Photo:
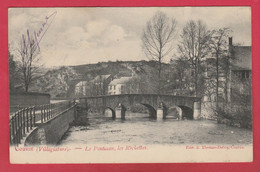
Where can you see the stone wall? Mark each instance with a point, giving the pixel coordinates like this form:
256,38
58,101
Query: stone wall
51,132
208,110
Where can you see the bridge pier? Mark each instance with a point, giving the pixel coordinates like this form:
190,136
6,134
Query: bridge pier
179,113
161,111
121,109
196,110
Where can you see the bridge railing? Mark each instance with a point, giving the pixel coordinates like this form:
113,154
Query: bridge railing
24,120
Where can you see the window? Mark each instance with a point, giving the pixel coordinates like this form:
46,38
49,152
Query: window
111,87
245,74
242,74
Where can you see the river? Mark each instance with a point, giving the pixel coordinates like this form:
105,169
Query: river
137,128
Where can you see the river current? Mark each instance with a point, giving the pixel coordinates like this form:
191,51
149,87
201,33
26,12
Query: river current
137,128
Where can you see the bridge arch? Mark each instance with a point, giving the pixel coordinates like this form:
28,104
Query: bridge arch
175,112
121,109
187,112
151,109
112,110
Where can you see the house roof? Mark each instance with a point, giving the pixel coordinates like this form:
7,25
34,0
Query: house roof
242,58
121,80
80,83
100,78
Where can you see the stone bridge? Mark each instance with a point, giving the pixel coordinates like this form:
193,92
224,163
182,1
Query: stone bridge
158,105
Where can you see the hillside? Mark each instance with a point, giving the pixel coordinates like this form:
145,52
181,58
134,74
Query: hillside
60,82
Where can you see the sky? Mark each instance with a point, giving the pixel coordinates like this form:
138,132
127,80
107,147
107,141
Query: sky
74,36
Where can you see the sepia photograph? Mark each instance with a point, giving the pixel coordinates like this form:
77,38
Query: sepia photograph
130,84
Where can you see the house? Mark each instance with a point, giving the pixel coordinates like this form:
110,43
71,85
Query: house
234,75
81,88
94,87
118,86
240,76
100,84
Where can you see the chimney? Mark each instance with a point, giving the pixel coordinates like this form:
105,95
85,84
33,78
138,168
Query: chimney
230,41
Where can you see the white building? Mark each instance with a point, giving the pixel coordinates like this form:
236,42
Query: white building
100,83
118,86
81,88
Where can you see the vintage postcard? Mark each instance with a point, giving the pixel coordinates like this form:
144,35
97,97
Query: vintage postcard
130,85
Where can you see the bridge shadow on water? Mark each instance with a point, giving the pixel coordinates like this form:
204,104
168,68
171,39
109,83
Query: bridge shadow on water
88,118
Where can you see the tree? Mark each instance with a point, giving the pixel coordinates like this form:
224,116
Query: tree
178,79
194,46
144,82
28,52
219,49
181,67
157,39
12,71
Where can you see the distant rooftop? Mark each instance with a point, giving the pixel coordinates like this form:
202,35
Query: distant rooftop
100,78
121,80
80,83
243,58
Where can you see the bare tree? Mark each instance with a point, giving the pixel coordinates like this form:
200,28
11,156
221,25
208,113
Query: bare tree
28,52
181,67
143,83
194,46
210,89
12,65
219,49
157,39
